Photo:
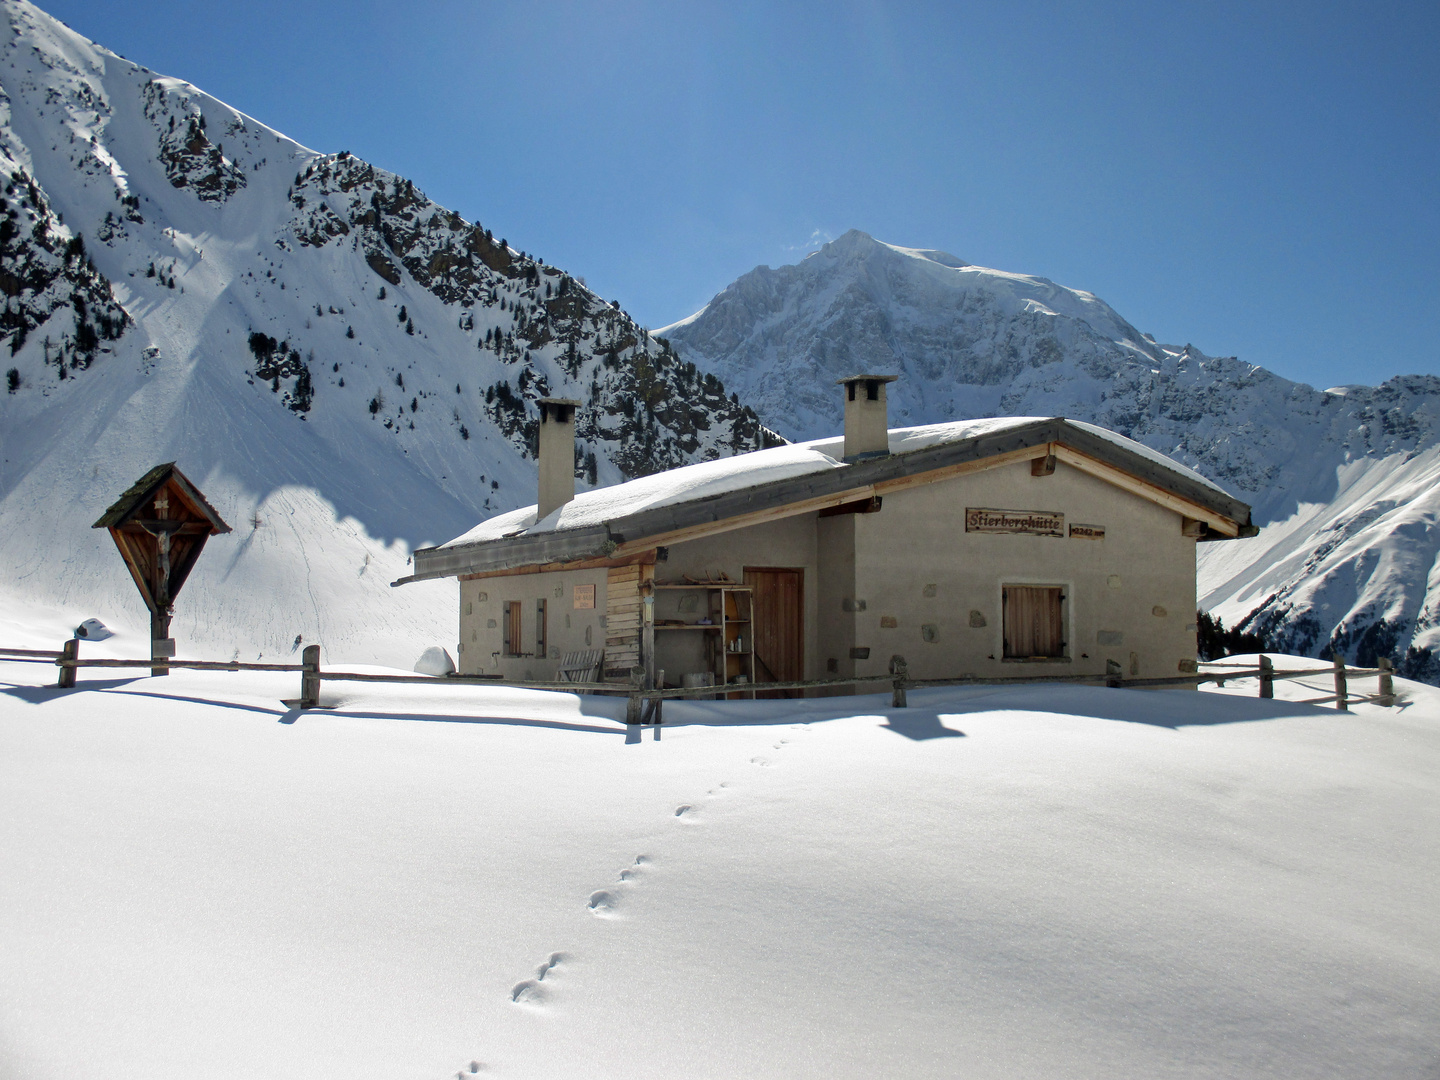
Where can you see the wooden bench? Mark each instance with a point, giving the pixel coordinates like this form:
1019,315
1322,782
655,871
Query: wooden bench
582,666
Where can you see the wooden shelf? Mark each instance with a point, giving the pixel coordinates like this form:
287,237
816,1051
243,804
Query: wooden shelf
731,606
714,585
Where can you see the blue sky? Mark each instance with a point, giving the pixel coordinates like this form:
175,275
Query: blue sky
1257,179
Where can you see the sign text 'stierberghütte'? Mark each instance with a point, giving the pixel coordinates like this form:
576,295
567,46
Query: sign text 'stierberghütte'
1037,522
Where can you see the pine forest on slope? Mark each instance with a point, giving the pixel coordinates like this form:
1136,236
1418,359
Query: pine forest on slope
1344,480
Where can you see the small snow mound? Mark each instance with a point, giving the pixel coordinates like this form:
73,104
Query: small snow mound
93,630
435,661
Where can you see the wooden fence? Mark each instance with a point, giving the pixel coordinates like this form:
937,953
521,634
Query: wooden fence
644,705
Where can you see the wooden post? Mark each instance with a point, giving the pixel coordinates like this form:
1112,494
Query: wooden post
71,651
632,703
310,677
161,647
899,669
1387,680
1267,677
647,622
1342,693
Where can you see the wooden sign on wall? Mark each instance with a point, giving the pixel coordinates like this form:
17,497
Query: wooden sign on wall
1035,522
584,597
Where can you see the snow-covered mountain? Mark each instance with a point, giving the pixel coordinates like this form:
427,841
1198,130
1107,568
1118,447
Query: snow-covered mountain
1344,480
345,368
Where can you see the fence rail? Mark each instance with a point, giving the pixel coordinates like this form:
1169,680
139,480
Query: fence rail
645,703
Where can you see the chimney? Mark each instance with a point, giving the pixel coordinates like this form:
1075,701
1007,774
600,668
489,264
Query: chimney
557,454
867,428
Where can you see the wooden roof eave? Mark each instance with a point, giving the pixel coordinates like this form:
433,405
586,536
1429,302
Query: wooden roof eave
814,491
140,493
569,545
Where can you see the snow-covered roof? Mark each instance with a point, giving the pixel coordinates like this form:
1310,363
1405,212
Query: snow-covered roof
652,505
715,478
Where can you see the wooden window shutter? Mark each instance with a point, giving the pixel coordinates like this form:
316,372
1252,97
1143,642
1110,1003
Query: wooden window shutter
540,644
1034,622
512,640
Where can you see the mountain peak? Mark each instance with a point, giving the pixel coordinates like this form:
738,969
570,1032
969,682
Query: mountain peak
857,243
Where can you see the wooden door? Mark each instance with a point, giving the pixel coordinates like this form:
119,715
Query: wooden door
778,630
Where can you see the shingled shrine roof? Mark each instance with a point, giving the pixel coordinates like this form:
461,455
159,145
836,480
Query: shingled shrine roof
139,493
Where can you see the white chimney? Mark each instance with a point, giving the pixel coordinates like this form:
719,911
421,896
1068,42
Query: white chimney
557,454
867,428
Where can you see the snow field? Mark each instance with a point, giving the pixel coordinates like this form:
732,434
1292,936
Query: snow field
992,883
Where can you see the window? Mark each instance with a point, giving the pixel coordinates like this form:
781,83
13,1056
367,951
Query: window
511,626
1034,622
540,628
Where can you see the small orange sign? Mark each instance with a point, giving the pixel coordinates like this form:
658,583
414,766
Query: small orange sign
584,596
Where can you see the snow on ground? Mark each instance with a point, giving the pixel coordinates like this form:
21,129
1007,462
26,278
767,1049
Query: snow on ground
1056,882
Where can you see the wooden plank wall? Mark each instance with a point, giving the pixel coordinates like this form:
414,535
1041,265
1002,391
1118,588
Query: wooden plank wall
622,620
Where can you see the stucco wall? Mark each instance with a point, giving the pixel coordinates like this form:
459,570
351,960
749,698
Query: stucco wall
482,607
1134,589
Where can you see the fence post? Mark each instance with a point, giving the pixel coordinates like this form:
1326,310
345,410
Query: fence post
899,669
1267,677
1342,692
70,651
1387,680
310,677
632,703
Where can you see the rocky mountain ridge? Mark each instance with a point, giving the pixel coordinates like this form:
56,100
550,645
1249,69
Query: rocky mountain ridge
343,366
1341,478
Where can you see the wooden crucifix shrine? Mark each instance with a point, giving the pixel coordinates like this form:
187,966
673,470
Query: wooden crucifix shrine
160,526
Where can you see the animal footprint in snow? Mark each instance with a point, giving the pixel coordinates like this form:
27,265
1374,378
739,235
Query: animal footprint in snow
629,873
764,763
473,1068
603,904
529,992
681,811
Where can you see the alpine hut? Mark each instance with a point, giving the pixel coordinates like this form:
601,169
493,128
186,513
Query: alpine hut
986,547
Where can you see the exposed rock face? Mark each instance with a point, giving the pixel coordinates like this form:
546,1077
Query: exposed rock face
189,157
1347,558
